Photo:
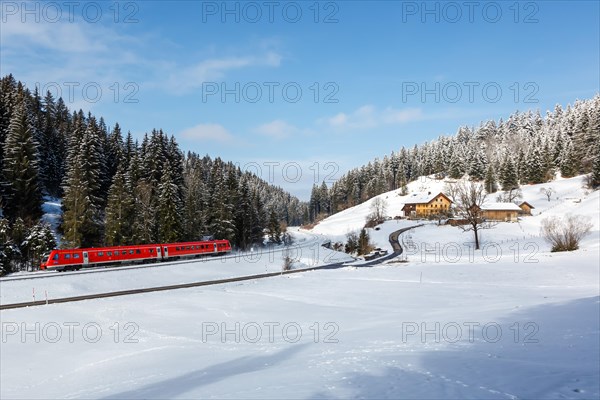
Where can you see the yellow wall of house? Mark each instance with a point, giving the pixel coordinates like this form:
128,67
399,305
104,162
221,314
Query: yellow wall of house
437,206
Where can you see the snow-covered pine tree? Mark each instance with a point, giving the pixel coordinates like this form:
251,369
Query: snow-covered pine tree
21,188
595,175
456,168
274,228
490,180
508,174
243,216
145,210
194,211
82,219
569,164
119,217
478,165
535,170
169,209
37,243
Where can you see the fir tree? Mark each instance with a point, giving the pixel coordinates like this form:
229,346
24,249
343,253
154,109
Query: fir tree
21,188
243,216
169,213
490,180
478,165
38,242
569,165
508,175
274,228
144,222
119,216
595,175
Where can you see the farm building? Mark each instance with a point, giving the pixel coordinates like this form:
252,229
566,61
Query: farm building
526,208
500,211
426,204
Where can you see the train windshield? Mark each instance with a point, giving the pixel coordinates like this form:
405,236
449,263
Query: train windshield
45,258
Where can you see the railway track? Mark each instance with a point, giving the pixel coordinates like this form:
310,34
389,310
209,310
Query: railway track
393,238
54,274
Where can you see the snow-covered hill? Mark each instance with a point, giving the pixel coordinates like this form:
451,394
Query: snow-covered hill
566,194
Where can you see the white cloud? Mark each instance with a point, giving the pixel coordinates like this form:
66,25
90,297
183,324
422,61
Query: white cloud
188,78
368,116
211,132
277,129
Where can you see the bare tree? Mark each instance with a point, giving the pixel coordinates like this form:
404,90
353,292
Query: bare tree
565,234
469,198
510,195
378,212
379,208
548,192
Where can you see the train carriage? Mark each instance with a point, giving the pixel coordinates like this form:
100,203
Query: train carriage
75,259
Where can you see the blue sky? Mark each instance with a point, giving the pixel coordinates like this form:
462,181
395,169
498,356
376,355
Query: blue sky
374,76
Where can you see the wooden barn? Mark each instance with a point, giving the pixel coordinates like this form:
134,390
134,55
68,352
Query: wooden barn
500,212
526,208
421,205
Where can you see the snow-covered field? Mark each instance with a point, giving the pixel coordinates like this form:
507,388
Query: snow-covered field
511,321
307,250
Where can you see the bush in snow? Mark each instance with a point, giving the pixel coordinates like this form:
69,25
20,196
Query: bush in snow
565,233
38,242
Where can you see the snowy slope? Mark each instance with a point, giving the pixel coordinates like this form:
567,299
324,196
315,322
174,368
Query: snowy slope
509,321
566,191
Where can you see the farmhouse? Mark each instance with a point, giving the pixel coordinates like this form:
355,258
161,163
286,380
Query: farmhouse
500,211
426,204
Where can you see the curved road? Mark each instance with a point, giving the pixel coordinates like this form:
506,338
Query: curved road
393,238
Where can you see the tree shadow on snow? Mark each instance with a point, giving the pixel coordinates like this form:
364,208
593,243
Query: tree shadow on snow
561,359
177,386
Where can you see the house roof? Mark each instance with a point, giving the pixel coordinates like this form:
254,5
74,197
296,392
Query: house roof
424,198
526,204
500,207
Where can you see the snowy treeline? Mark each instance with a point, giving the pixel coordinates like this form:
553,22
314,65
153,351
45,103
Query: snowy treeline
526,148
117,191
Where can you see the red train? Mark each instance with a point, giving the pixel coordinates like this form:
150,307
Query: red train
74,259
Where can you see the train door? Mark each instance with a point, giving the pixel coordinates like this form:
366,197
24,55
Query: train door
158,253
214,244
86,259
166,252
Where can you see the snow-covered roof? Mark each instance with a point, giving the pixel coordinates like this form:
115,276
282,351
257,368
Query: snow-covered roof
421,198
500,207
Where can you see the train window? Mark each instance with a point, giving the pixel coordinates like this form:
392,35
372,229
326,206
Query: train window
130,251
55,257
138,251
187,247
151,251
76,255
67,256
109,253
116,252
177,248
100,253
